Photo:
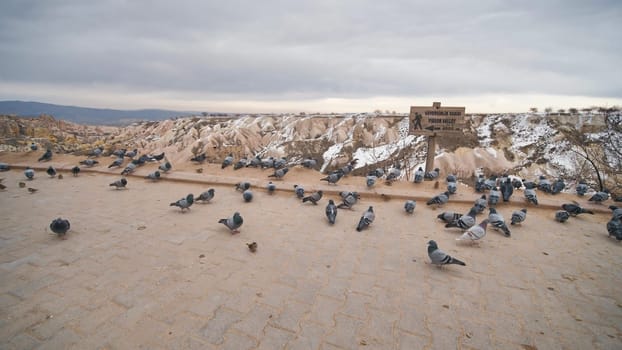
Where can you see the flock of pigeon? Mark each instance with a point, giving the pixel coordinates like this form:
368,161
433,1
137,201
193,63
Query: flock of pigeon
493,190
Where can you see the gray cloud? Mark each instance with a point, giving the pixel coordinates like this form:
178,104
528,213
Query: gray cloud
316,49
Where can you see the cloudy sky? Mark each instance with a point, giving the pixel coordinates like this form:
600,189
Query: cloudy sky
320,55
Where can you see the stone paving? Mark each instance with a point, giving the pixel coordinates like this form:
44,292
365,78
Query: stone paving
135,273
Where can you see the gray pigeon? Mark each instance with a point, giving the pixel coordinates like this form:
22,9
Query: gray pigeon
370,180
184,203
46,156
233,223
349,199
474,233
241,163
271,187
582,188
166,166
33,146
29,173
498,222
116,163
409,206
206,196
199,158
575,209
494,196
75,170
394,173
481,203
131,154
60,227
507,189
562,215
464,221
313,198
280,163
529,184
227,161
448,216
452,188
366,219
153,176
614,227
599,197
332,178
544,184
439,200
279,173
616,212
480,183
518,216
242,186
530,195
89,162
558,186
51,171
451,178
300,191
309,163
5,167
119,183
439,257
129,169
331,211
432,174
247,195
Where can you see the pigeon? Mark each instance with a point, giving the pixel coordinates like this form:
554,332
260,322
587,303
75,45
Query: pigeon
140,161
517,184
279,173
60,176
498,222
75,170
452,187
158,157
530,195
22,184
599,197
29,173
242,186
271,187
366,219
132,154
51,171
33,146
119,183
332,178
518,216
439,257
165,167
479,183
481,203
313,198
267,163
378,173
46,156
439,200
153,176
448,216
120,152
4,167
32,190
464,221
575,209
474,233
494,196
432,174
206,196
370,181
280,163
616,212
254,162
247,195
507,189
394,173
60,227
309,163
96,152
89,162
241,163
129,169
558,186
300,191
184,203
529,184
227,161
116,163
562,215
252,247
349,199
233,223
409,206
614,227
451,178
331,211
544,184
199,158
582,188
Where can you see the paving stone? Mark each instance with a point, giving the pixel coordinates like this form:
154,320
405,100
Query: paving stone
255,321
215,328
291,315
275,338
324,310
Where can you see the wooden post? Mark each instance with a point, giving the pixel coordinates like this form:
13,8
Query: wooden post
429,162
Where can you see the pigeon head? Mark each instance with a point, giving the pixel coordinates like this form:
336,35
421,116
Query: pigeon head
492,210
237,218
190,198
483,196
124,181
331,202
524,210
370,209
483,224
432,246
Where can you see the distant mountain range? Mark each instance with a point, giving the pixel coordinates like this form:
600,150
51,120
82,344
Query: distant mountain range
85,115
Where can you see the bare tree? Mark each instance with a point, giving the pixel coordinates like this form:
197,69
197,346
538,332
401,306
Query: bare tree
548,110
573,110
533,110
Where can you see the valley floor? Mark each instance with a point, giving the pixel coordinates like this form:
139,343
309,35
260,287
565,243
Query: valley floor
135,272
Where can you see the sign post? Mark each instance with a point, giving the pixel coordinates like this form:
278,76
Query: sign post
436,121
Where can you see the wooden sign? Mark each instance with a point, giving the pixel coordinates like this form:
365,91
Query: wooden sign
436,120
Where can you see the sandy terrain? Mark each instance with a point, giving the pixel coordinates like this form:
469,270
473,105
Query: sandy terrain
137,273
